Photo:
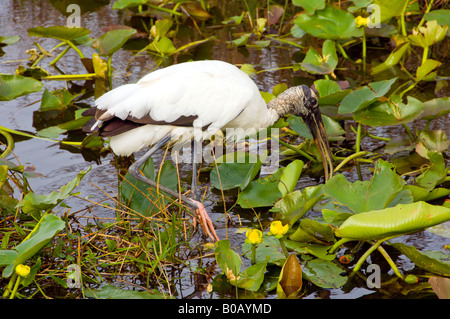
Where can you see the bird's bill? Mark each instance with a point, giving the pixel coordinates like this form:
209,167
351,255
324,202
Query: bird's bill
317,129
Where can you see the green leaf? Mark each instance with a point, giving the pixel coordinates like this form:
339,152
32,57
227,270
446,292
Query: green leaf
364,96
389,9
436,107
58,32
393,221
434,174
263,192
442,16
362,196
252,277
239,174
112,41
330,23
429,35
112,292
123,4
432,261
333,128
13,86
290,176
33,202
310,6
390,112
324,63
324,274
227,259
48,226
393,58
56,100
425,69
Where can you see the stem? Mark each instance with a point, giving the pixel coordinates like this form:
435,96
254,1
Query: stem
364,50
425,54
358,139
402,19
16,286
339,243
253,254
71,77
349,158
423,17
366,254
9,143
409,132
60,55
8,288
73,46
390,262
109,69
283,247
299,151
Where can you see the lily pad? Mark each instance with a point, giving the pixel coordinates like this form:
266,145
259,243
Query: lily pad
432,261
393,221
390,112
330,23
112,292
58,32
13,86
324,274
364,96
112,41
362,196
47,228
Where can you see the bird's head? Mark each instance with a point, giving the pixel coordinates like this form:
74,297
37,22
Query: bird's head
302,101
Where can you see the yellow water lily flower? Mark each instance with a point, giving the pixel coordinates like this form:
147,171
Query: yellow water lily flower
254,236
277,229
361,22
22,270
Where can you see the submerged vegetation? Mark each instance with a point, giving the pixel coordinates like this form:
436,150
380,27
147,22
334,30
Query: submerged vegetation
373,63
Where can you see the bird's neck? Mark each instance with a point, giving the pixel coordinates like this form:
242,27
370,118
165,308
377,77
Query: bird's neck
282,104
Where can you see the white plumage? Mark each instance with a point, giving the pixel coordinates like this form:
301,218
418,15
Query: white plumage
218,93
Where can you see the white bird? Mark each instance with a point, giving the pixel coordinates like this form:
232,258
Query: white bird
170,104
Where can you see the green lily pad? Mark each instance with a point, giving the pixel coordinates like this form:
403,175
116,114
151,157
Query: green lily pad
33,203
310,6
324,63
324,274
58,32
13,86
393,221
112,292
436,107
362,196
442,16
435,173
47,228
390,112
112,41
389,9
432,261
364,96
330,23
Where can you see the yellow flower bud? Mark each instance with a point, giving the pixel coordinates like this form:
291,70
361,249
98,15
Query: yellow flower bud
277,229
361,22
254,236
22,270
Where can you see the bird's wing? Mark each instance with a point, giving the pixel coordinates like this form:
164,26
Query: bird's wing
206,93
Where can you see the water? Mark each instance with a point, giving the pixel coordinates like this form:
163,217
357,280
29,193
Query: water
59,166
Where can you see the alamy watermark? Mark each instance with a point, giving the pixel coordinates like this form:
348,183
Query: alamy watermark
74,19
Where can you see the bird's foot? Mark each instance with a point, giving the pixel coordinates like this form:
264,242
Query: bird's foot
205,221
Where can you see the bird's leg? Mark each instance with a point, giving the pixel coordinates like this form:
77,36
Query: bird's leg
203,217
205,221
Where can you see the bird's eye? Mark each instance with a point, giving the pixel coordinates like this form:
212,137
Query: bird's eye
313,101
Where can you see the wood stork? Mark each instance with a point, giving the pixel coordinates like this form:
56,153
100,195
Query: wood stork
169,104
